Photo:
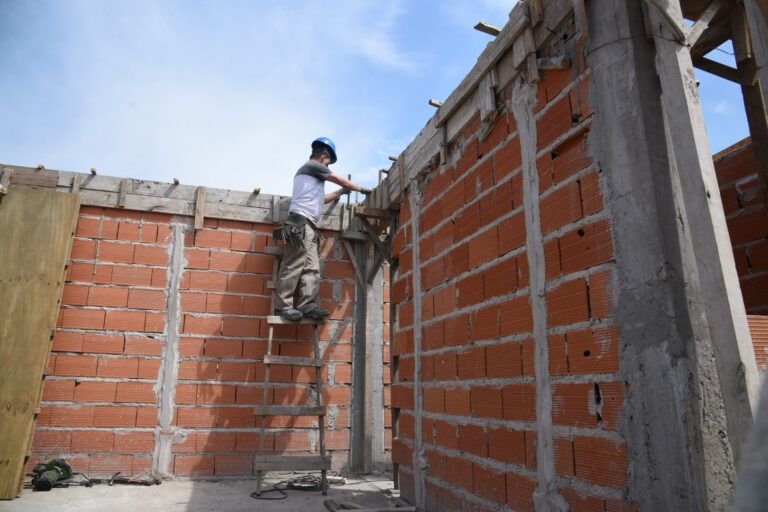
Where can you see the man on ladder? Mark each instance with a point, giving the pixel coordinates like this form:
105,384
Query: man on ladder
301,263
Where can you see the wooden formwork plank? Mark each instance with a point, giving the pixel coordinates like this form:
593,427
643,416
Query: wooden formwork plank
290,462
200,208
35,178
36,229
278,320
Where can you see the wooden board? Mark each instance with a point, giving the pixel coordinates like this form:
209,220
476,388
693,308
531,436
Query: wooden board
288,463
36,229
35,178
154,196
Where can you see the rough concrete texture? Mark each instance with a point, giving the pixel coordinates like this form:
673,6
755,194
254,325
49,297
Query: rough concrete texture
197,496
677,454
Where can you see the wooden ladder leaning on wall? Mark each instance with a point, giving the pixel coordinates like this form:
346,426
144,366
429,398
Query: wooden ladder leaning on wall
264,462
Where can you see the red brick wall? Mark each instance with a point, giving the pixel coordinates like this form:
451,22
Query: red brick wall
100,402
479,424
743,204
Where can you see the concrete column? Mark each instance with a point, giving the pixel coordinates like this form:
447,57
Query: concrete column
166,435
546,496
367,382
374,382
419,459
712,259
672,402
357,457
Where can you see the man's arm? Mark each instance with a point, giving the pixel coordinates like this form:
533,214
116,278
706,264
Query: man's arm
333,196
345,183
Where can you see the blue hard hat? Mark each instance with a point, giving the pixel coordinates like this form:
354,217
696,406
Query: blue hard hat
328,143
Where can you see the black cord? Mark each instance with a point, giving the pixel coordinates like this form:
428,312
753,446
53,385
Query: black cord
301,483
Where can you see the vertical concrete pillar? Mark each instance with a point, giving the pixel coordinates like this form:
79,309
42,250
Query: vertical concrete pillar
704,223
367,382
419,459
668,258
546,496
374,383
165,433
357,456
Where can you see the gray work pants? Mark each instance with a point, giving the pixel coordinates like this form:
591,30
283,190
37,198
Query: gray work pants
300,266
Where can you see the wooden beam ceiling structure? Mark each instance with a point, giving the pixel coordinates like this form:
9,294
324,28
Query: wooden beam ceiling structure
745,24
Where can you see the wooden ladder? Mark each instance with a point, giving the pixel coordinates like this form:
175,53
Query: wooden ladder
264,462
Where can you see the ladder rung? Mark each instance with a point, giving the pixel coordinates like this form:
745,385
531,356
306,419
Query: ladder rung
294,361
289,410
287,462
278,320
273,251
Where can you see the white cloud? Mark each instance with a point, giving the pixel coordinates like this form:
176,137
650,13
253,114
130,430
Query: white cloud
721,107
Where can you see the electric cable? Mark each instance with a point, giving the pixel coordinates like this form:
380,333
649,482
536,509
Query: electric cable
301,483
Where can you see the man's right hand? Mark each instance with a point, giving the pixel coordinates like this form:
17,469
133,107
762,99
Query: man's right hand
365,190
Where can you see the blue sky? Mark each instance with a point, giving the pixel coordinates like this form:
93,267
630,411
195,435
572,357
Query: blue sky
230,93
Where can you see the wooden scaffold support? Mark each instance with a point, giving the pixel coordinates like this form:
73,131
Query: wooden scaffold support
263,462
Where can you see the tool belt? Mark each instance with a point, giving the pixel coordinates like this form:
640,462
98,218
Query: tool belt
292,231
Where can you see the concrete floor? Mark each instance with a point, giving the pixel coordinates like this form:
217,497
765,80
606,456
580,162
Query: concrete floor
201,496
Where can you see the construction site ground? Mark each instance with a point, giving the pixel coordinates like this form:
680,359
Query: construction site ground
204,496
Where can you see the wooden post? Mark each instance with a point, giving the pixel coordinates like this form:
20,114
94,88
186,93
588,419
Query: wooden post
76,182
124,184
200,208
757,18
753,99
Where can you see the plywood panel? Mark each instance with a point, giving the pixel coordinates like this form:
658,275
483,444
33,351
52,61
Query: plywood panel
36,229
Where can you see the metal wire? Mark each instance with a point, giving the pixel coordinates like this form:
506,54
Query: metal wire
300,483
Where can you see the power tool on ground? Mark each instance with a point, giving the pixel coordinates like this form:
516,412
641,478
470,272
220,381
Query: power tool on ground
47,474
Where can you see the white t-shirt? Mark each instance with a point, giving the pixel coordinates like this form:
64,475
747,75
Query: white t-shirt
309,190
